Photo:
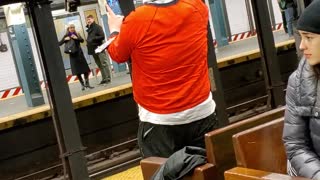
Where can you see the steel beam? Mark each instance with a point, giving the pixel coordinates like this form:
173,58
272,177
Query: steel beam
219,22
67,130
22,55
269,59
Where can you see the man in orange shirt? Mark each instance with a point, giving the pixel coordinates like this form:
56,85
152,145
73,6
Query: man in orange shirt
167,43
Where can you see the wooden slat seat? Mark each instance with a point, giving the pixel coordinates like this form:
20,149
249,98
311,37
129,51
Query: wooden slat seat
219,146
240,173
219,143
261,147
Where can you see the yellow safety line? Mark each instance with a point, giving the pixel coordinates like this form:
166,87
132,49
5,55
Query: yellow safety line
134,173
45,111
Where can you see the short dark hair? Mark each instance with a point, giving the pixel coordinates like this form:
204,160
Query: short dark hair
90,16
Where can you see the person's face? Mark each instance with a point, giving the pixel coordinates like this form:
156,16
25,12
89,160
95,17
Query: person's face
310,45
72,29
90,21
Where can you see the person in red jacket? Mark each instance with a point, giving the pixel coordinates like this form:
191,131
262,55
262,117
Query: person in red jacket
166,41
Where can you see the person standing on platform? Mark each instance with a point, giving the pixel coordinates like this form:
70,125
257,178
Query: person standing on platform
290,14
282,6
170,76
301,133
95,38
78,62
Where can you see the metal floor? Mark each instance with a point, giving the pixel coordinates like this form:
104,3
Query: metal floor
18,104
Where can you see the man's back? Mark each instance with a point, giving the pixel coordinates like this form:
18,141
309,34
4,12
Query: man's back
169,55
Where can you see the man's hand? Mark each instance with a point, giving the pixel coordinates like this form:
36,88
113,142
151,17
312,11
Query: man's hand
114,21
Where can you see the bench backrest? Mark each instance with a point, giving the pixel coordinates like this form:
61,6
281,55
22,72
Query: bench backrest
262,147
219,144
239,173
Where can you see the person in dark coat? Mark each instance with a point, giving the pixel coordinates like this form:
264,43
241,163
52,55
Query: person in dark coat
95,38
301,133
78,62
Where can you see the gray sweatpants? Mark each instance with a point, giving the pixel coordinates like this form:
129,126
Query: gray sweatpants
103,63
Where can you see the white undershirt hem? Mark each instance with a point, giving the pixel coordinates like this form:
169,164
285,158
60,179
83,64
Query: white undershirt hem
193,114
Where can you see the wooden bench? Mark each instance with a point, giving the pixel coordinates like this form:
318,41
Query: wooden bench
219,146
240,173
219,143
262,147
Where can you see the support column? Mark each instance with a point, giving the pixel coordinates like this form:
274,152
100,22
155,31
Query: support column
215,80
270,64
22,54
219,21
66,126
271,12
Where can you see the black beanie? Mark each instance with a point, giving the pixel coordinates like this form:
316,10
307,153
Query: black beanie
309,21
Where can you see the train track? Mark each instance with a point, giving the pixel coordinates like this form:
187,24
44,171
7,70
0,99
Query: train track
100,164
117,158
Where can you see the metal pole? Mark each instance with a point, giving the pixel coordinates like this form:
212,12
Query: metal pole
226,19
270,7
22,54
218,22
64,116
268,52
216,85
250,18
215,80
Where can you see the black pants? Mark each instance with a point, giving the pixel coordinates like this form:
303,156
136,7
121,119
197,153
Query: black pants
164,140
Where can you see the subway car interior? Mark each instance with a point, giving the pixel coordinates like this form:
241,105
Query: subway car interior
55,125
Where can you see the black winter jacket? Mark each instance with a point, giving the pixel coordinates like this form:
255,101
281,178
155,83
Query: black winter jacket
181,163
95,37
301,133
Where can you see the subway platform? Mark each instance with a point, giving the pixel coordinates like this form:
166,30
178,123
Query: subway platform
234,53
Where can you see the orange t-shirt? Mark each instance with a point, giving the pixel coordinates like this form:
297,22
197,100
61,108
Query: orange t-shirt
168,48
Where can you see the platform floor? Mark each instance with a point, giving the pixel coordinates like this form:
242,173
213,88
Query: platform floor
246,45
130,174
18,104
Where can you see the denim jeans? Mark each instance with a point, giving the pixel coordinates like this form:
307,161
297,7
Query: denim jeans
289,12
